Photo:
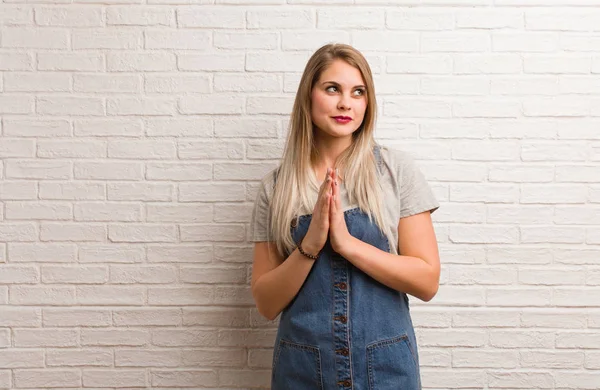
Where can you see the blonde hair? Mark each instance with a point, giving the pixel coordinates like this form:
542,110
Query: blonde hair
357,164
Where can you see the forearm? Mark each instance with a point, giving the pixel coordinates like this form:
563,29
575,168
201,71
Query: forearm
408,274
274,290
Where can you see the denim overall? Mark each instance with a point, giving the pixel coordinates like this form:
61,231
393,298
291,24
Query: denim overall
344,329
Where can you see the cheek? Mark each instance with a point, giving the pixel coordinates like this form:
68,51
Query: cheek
319,103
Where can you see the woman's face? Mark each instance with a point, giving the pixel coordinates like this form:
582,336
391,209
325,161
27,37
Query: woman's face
339,100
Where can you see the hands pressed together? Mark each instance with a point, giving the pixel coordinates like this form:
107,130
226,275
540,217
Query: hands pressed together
327,218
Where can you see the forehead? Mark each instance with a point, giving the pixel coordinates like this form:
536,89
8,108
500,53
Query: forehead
342,73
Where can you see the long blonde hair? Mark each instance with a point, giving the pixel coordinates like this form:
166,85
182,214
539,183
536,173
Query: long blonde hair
356,164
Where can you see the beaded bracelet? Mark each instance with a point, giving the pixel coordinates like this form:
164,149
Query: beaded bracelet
306,254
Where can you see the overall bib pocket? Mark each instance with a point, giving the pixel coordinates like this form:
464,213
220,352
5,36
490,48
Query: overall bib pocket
296,367
392,364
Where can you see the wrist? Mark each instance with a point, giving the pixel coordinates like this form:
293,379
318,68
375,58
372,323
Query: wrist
310,247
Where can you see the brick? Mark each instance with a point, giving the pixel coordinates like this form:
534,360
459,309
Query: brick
108,170
551,194
140,106
21,317
69,317
18,190
455,42
269,105
418,19
44,252
31,38
138,149
419,64
210,62
122,127
184,378
47,378
110,295
69,17
139,16
38,169
281,19
140,61
79,62
245,40
252,128
489,19
211,104
107,212
142,233
15,274
45,338
81,106
562,20
79,358
181,40
276,62
545,64
177,84
214,18
112,253
184,127
487,63
212,232
140,192
246,83
481,234
541,380
71,190
417,108
147,317
38,210
37,82
21,359
180,253
16,16
366,18
111,378
16,104
179,213
107,83
386,41
522,296
106,39
71,149
185,338
114,337
525,86
16,148
50,231
21,295
178,296
142,274
178,171
524,42
16,61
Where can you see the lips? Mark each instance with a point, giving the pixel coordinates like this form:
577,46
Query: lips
341,117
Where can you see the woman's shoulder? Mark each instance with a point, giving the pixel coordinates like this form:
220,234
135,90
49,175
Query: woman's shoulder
395,158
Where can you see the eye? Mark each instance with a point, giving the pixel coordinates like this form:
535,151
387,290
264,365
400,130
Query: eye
328,89
360,91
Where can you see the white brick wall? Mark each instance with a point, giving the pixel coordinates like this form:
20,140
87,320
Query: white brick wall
134,134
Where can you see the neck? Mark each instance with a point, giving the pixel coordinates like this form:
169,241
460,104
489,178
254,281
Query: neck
329,149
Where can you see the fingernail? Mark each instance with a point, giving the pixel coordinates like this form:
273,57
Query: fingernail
337,171
328,171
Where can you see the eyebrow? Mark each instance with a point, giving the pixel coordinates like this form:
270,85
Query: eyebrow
337,84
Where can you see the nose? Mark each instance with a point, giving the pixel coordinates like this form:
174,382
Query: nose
344,102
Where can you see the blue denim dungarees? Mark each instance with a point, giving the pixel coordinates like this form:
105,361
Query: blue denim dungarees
344,329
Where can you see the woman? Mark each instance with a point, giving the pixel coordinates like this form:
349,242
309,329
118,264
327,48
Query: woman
328,226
